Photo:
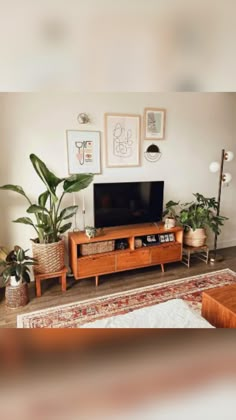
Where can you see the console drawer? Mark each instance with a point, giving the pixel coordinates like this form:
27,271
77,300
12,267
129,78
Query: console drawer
94,265
166,253
133,259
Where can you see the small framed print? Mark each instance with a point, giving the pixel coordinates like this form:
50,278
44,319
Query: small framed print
154,123
167,237
83,148
161,238
171,237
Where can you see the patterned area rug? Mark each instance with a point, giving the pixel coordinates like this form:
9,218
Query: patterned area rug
75,314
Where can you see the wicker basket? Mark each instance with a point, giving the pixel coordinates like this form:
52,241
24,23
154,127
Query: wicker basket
17,296
50,257
195,238
97,247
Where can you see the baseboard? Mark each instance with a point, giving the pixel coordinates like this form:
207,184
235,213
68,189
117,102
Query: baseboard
223,244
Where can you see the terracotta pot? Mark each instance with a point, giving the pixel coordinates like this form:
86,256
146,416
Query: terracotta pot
195,237
16,296
50,257
169,223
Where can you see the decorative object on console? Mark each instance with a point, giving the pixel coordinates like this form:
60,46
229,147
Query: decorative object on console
154,123
152,153
48,247
83,148
90,231
16,276
83,118
224,178
122,137
170,214
197,216
138,243
121,244
78,313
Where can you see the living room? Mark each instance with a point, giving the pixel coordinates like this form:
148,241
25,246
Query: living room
196,128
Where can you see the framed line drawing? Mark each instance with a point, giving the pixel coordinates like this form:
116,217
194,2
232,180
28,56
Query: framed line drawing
122,138
83,150
154,123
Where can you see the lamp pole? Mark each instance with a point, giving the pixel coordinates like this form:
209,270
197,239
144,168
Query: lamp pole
213,259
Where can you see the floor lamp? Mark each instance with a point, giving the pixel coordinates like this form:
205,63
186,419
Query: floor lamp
224,179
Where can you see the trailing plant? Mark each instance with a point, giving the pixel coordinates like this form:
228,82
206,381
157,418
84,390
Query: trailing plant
201,213
51,221
17,264
171,210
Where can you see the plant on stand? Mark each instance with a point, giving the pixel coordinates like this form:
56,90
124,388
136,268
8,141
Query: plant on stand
50,219
198,215
16,275
170,214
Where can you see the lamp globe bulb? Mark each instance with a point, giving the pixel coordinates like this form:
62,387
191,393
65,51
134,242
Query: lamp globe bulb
214,167
229,156
226,178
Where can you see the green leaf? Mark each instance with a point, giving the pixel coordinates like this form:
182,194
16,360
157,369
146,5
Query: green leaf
77,182
43,198
24,220
15,188
50,180
36,209
20,255
26,277
64,228
68,212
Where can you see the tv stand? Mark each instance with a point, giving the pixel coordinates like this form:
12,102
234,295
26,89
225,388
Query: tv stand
126,259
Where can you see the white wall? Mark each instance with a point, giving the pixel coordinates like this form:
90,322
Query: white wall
198,126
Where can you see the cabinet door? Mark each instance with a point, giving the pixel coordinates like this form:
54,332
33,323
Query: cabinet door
132,259
166,253
95,265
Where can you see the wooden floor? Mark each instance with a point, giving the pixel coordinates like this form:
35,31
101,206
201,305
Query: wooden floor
85,289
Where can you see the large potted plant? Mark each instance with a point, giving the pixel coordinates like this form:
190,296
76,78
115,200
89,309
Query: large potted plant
198,215
50,219
16,275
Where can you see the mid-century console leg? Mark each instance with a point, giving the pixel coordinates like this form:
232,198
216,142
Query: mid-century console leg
162,268
96,280
63,282
38,287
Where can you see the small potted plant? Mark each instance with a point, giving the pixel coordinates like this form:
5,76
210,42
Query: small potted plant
170,214
16,276
51,220
198,215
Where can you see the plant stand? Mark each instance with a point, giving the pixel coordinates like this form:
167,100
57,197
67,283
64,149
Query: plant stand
60,274
200,252
17,296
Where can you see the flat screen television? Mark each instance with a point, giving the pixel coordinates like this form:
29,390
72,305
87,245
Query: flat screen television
126,203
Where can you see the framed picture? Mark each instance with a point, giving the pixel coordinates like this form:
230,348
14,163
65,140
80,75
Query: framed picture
122,137
161,238
154,123
83,148
167,237
171,237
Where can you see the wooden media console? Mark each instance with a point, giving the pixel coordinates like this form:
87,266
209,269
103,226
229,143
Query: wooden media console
97,264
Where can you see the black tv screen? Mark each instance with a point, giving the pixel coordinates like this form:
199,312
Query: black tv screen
126,203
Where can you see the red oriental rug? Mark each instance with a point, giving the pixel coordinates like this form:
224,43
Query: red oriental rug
74,315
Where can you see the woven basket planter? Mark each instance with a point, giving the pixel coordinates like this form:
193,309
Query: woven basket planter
17,296
195,237
50,257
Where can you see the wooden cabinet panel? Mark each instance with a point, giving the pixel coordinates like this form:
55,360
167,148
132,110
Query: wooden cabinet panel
96,265
133,259
165,253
